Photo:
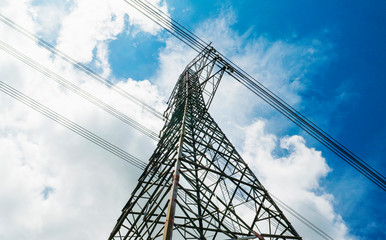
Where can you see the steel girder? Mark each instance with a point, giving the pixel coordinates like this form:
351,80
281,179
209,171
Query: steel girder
196,185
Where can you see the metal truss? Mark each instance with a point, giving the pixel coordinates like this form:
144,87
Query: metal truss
196,185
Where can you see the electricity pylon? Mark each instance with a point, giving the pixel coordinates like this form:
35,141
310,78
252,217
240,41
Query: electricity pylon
196,185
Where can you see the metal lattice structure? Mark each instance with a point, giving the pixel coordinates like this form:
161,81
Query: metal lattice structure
196,185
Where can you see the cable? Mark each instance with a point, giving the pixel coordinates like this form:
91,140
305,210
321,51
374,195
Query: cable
256,87
100,141
80,66
71,125
165,22
290,210
302,219
89,97
103,143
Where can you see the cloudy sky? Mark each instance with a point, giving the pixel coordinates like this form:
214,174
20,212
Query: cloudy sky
326,58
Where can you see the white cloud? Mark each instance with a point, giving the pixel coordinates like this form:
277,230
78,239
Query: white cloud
173,60
294,177
88,185
282,66
79,27
54,183
88,23
47,17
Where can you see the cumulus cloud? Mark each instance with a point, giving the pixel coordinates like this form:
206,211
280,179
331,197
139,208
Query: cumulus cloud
91,22
293,172
287,166
54,184
281,65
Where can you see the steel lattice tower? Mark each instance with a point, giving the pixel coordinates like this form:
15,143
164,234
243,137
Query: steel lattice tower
196,185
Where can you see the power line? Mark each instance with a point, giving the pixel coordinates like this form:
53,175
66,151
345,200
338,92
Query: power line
89,97
71,125
302,219
290,210
112,148
139,160
80,66
85,133
278,104
260,90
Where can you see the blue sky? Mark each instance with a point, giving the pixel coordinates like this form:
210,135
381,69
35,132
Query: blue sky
326,58
344,94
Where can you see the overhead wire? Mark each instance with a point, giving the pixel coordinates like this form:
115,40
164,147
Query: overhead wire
330,143
71,125
290,210
193,43
269,100
165,22
102,142
74,88
80,66
302,219
278,106
317,133
259,89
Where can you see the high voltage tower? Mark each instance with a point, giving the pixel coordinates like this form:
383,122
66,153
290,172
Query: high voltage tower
209,86
196,185
197,44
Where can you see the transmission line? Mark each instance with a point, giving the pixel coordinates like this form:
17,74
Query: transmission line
89,97
302,219
80,66
260,90
290,210
71,125
112,148
85,133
